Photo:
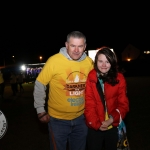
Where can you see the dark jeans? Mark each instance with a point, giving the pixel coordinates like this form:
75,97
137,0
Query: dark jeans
102,140
74,131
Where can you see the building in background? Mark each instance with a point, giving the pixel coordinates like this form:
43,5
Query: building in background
130,53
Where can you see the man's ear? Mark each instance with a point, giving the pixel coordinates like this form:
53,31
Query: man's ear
85,47
66,44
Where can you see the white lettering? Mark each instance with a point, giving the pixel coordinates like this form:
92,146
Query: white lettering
76,93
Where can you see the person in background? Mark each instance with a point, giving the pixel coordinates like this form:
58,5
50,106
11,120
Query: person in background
13,83
20,81
65,73
105,93
2,85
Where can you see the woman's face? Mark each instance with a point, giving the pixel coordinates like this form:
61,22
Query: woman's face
103,64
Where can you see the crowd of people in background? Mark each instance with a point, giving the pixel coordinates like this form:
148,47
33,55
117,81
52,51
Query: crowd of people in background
32,73
17,78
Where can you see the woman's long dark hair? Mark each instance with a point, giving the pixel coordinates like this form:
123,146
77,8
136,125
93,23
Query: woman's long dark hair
111,76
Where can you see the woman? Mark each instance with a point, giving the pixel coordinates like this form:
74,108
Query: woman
105,94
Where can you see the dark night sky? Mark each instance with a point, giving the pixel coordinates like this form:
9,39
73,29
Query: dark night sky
29,35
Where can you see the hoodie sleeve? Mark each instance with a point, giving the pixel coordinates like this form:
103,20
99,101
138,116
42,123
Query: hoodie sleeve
39,94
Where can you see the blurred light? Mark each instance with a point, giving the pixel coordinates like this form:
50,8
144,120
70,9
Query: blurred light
128,59
146,52
92,53
23,67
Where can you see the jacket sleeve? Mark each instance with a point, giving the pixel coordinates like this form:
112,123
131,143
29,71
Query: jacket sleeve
122,102
39,94
92,120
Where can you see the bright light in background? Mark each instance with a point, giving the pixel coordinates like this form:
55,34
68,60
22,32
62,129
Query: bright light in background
128,59
146,52
23,67
92,53
41,58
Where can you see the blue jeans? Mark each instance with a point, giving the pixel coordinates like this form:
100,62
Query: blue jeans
74,131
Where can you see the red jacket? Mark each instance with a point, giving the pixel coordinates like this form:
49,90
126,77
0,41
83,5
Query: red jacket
115,97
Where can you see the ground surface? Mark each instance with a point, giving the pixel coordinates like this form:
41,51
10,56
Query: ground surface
25,132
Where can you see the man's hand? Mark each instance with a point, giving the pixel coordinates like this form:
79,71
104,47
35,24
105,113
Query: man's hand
44,117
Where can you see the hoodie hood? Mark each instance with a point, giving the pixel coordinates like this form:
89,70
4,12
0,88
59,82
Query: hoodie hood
63,51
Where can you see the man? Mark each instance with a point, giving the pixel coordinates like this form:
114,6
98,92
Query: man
66,74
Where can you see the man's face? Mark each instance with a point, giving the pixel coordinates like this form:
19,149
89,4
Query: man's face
75,47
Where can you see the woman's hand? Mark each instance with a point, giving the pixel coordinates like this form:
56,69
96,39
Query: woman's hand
106,124
103,128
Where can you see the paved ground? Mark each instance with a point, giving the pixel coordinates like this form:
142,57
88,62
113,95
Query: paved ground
25,132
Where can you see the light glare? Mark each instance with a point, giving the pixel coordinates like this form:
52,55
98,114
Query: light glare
23,67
